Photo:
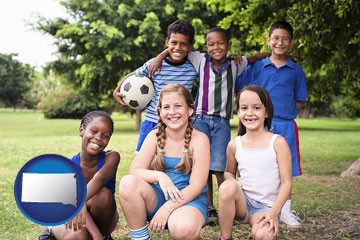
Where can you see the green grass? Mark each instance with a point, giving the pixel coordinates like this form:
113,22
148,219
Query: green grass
328,204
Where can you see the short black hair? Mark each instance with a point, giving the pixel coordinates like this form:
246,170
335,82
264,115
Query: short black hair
221,30
282,25
182,27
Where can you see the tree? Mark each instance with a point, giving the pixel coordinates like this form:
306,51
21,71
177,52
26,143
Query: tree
102,41
15,80
328,40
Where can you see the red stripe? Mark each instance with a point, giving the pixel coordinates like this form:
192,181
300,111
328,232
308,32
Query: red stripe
297,145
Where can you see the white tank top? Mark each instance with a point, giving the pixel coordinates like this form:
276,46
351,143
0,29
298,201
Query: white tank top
259,171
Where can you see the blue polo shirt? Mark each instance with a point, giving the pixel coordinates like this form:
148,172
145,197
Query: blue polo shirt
286,85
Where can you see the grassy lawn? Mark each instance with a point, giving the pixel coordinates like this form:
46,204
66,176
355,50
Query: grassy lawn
328,204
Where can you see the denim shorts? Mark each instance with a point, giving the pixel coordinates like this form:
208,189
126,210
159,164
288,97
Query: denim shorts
218,131
253,207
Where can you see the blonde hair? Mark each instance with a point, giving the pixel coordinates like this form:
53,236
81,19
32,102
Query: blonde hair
185,163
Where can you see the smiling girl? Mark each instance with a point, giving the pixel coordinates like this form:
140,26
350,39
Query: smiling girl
166,184
98,217
263,161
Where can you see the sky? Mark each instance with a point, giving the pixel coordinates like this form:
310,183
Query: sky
16,36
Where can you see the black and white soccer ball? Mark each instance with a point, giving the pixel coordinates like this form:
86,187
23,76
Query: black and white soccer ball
137,91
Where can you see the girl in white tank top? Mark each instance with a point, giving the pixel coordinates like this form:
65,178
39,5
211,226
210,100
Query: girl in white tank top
263,162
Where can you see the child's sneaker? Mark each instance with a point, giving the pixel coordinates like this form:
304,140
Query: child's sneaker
47,235
291,219
108,237
212,216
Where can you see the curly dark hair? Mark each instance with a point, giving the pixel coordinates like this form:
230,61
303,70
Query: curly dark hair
183,27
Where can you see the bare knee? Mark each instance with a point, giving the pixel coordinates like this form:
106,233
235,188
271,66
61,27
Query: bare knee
184,230
128,187
228,189
62,232
102,199
77,238
263,233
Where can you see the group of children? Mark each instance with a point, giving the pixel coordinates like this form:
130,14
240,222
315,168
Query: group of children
184,141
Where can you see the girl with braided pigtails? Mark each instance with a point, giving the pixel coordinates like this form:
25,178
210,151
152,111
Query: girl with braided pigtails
166,185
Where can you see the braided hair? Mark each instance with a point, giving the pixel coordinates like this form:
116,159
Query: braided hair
185,163
94,114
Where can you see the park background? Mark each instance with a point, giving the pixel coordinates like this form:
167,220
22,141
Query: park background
99,42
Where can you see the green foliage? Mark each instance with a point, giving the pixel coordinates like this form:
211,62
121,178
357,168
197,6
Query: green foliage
65,103
15,81
102,41
327,42
344,106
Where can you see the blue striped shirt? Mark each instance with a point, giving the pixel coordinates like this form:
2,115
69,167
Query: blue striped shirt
182,73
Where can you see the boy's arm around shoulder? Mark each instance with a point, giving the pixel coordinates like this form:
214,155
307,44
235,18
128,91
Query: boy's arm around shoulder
157,62
258,56
105,174
283,156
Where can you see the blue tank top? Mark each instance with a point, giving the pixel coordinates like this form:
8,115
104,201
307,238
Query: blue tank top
109,185
180,179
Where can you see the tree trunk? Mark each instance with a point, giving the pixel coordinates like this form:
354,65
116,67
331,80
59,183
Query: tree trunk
353,170
138,120
305,112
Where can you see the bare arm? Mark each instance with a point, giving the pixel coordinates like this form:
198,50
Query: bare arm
157,62
300,105
142,161
284,162
116,93
104,175
283,157
231,163
258,56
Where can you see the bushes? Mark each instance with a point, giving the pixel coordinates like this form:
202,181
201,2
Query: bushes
65,103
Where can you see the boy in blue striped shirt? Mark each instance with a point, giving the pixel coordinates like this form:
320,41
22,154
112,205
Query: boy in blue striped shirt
175,69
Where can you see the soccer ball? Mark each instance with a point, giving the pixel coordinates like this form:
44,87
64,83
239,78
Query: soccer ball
137,91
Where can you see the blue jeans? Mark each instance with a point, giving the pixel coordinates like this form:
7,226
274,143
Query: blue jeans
218,131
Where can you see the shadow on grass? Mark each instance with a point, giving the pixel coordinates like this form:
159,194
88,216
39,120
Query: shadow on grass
327,129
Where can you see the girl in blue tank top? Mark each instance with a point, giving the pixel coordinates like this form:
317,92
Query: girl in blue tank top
166,185
98,217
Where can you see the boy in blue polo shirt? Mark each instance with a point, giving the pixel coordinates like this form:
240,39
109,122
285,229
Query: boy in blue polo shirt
176,69
285,81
